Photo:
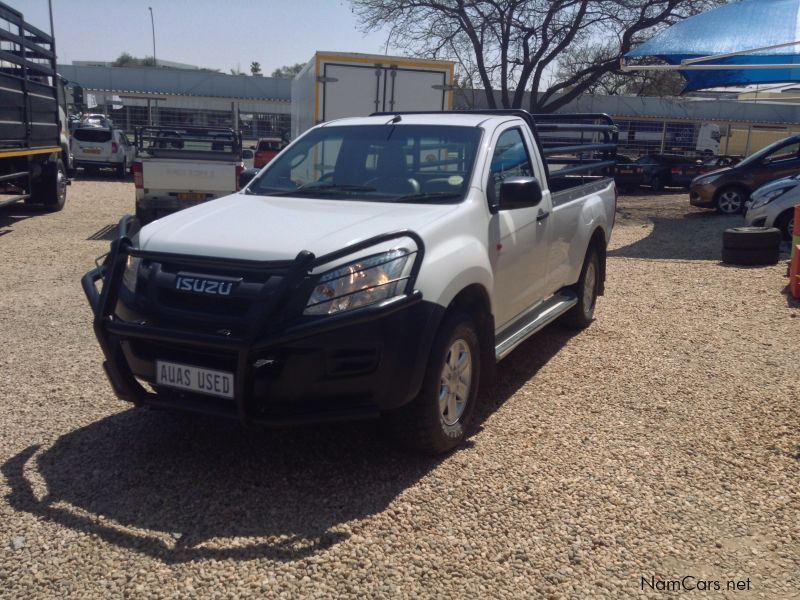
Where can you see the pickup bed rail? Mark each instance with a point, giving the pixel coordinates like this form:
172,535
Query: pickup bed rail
191,143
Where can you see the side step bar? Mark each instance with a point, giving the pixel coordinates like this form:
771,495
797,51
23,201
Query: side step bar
544,314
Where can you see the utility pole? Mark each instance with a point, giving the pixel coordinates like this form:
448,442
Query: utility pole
153,25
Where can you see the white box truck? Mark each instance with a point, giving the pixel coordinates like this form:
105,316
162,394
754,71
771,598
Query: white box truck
334,85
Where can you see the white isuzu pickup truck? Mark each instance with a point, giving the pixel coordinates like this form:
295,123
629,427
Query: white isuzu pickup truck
179,167
377,266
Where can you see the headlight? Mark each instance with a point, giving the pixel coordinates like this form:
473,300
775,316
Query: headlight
366,281
769,197
705,180
131,272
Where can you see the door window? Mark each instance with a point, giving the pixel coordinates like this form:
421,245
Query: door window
510,159
780,156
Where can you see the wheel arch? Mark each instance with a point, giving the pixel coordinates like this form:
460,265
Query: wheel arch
474,300
598,242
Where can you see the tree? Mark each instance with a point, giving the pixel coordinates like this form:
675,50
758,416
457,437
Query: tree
618,82
255,69
288,71
126,60
514,46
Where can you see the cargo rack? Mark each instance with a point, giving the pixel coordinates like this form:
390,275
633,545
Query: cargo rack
580,144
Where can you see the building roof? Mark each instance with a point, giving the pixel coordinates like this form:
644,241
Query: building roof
177,82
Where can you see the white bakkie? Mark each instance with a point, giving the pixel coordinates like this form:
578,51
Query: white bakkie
378,265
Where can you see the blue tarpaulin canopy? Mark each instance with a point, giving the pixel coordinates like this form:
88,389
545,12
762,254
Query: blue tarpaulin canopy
742,43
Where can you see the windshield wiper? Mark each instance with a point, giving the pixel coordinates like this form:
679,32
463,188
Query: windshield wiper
311,188
426,196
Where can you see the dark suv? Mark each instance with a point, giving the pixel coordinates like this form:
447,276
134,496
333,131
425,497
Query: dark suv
728,189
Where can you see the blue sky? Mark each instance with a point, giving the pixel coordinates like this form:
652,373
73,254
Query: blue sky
218,34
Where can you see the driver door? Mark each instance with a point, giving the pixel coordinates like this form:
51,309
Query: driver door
517,237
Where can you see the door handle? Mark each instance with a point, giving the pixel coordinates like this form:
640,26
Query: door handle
542,215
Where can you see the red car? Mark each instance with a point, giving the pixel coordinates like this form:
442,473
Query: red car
266,150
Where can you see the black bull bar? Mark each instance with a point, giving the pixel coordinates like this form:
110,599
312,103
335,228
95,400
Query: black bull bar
111,331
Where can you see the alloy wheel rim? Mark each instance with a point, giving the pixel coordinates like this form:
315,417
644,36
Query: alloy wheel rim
455,382
589,284
730,202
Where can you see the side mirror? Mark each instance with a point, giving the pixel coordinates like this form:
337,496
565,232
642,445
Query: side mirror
246,176
519,192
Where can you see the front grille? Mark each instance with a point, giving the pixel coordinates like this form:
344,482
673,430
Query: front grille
228,306
159,301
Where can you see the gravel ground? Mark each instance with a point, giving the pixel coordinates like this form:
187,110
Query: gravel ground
664,441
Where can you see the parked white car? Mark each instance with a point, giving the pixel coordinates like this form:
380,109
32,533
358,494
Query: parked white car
772,205
94,148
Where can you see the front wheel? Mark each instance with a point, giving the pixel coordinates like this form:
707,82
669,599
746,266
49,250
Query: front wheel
438,419
581,315
730,201
785,222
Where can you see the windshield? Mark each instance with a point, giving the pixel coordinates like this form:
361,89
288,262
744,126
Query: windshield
790,145
382,163
92,135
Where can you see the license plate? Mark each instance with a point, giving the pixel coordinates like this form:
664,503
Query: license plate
626,172
91,150
194,379
191,196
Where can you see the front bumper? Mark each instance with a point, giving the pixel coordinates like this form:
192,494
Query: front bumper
703,195
758,217
107,164
346,366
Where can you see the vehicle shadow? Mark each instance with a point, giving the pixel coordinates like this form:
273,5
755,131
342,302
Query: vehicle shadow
180,488
103,175
107,232
14,213
694,236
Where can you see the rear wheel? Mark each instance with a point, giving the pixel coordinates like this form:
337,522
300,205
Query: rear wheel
730,200
438,419
657,184
581,315
51,187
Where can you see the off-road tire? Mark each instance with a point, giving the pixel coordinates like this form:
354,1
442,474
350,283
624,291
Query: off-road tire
421,425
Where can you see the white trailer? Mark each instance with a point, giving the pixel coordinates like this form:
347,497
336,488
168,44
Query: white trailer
334,85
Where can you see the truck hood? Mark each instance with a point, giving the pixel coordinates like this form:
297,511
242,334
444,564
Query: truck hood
277,228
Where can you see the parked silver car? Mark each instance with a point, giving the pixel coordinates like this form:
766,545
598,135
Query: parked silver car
100,147
772,205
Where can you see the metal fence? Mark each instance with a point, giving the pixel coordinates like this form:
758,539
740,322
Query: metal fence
251,125
695,138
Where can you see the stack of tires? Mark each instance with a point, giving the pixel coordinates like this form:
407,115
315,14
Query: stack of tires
751,245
